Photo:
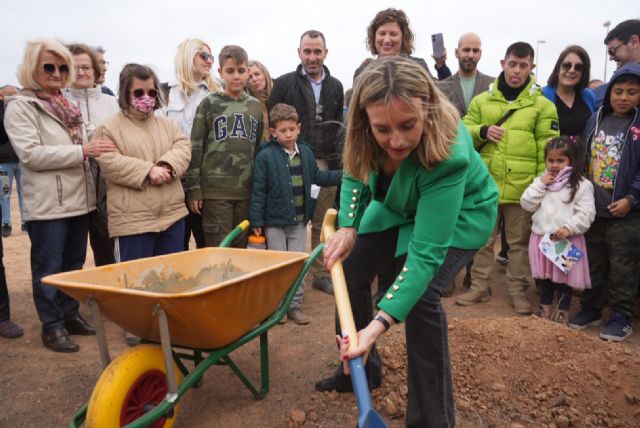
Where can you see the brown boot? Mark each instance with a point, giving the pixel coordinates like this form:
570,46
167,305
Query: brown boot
521,304
472,297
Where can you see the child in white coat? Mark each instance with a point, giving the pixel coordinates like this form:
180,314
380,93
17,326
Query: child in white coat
562,204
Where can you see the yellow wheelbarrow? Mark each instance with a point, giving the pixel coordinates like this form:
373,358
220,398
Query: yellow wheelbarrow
196,306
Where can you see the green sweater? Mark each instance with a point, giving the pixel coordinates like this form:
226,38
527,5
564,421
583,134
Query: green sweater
519,156
451,205
224,137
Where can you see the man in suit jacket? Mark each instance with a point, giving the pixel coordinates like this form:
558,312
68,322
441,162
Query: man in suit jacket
468,81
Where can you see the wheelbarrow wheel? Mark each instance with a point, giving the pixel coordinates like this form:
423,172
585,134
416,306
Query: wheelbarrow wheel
129,387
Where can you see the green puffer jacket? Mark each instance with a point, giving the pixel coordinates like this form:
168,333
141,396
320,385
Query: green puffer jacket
519,156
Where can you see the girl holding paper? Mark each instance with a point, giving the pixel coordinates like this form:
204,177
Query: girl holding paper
562,204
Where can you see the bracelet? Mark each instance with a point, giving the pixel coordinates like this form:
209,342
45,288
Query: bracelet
382,320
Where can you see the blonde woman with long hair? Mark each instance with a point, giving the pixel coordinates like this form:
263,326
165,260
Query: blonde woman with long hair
414,192
259,86
194,81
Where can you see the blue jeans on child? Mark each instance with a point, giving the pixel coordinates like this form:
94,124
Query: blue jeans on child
13,171
133,247
289,238
58,245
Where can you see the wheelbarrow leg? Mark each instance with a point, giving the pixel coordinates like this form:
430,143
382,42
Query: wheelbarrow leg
101,336
165,340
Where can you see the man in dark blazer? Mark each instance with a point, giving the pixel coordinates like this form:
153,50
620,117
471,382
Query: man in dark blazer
468,81
460,88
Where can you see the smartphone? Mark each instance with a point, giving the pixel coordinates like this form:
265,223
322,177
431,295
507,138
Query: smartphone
437,43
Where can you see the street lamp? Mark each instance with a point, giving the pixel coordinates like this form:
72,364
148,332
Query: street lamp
606,25
538,43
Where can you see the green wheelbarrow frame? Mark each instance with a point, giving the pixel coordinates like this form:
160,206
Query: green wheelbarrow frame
203,359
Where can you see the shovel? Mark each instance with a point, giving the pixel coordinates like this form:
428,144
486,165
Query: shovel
368,418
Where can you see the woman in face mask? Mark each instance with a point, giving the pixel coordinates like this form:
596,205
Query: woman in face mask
145,200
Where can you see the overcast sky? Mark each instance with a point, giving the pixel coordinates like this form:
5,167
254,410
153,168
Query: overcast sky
148,31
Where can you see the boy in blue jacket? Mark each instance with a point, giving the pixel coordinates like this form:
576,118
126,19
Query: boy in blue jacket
612,136
284,194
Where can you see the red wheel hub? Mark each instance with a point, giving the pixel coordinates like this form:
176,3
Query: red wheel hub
146,392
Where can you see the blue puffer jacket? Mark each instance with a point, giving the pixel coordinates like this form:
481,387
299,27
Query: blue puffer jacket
550,92
272,195
628,176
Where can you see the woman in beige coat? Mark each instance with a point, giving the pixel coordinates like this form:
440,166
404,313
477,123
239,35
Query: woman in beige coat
49,137
145,200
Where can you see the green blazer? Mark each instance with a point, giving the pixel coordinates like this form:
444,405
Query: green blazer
452,205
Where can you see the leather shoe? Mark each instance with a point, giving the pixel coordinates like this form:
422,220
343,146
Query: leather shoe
79,326
10,330
58,340
341,382
323,284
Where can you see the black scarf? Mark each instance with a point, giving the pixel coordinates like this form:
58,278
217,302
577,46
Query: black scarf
510,93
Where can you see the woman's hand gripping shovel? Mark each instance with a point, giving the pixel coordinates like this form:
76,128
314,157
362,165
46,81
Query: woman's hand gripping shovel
368,418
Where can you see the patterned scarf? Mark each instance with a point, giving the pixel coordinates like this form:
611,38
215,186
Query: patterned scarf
69,114
561,179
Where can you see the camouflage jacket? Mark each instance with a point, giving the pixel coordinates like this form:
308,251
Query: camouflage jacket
224,137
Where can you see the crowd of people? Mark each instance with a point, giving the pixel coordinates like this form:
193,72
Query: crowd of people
426,173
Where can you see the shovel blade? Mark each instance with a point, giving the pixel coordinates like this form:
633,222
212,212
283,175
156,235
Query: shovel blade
368,417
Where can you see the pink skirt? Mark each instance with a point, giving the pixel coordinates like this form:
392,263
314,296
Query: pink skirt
543,268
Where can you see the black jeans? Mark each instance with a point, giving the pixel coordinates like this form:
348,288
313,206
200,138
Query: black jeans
430,400
4,292
56,246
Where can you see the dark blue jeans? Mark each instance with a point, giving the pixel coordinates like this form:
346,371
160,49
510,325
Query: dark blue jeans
429,381
56,246
133,247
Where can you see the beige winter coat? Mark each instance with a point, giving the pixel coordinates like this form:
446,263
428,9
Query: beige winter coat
134,206
56,181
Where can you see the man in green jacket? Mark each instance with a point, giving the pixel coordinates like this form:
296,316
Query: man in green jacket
510,125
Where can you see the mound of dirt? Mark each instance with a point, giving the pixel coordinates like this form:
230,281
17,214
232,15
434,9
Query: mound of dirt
508,372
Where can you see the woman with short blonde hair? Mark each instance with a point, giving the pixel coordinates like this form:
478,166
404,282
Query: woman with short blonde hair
49,137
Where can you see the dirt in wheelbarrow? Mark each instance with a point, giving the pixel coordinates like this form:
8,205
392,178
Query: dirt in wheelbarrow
508,371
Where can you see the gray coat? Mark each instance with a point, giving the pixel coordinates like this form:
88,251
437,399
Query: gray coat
453,90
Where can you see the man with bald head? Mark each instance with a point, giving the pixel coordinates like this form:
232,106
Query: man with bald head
468,81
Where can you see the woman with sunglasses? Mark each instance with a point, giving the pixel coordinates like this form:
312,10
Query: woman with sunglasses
567,88
95,107
259,86
192,84
49,137
145,200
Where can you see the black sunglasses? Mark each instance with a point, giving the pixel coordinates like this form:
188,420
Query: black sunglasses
137,93
578,67
206,56
612,51
51,68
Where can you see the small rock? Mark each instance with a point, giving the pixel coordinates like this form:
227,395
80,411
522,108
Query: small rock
516,425
389,408
297,416
313,416
613,368
498,387
562,422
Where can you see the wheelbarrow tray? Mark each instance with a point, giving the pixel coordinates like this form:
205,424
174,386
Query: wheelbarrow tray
202,313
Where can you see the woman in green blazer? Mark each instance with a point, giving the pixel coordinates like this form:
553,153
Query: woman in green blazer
414,189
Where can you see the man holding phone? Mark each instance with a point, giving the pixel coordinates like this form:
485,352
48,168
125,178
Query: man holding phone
510,125
468,81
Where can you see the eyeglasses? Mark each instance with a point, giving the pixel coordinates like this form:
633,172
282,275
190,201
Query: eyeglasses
83,68
578,67
206,56
137,93
51,68
612,51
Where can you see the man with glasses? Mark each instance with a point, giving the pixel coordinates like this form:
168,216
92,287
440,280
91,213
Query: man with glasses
318,98
103,70
623,47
